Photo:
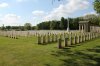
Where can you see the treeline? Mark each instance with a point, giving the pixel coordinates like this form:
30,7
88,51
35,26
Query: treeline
73,23
57,25
27,26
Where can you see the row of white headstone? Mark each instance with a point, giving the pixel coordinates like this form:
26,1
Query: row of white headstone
9,34
77,38
16,34
29,33
95,29
50,38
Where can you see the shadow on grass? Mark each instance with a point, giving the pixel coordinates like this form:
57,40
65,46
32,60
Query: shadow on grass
88,57
96,49
81,43
47,65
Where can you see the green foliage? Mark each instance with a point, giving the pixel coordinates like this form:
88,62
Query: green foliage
21,28
34,28
94,19
57,25
3,27
54,25
27,26
43,25
8,27
62,23
97,6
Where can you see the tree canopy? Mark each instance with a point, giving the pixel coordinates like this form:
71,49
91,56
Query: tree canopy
97,6
27,26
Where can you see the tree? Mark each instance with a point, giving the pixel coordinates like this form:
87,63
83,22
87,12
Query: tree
75,23
8,27
27,26
94,19
97,6
54,25
62,23
33,27
44,25
21,28
3,27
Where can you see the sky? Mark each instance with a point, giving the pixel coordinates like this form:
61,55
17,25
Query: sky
19,12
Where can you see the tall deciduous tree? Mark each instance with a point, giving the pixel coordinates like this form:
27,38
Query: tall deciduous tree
8,27
27,26
94,19
97,6
62,23
3,27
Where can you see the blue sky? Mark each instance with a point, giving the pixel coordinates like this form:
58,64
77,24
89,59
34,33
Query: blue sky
18,12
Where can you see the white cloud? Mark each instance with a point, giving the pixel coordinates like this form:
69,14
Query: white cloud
0,15
19,0
25,0
2,5
38,13
66,9
36,20
10,19
38,16
70,7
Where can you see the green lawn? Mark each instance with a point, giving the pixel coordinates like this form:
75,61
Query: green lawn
25,52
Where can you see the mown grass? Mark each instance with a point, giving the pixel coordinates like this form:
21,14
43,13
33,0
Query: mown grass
26,52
